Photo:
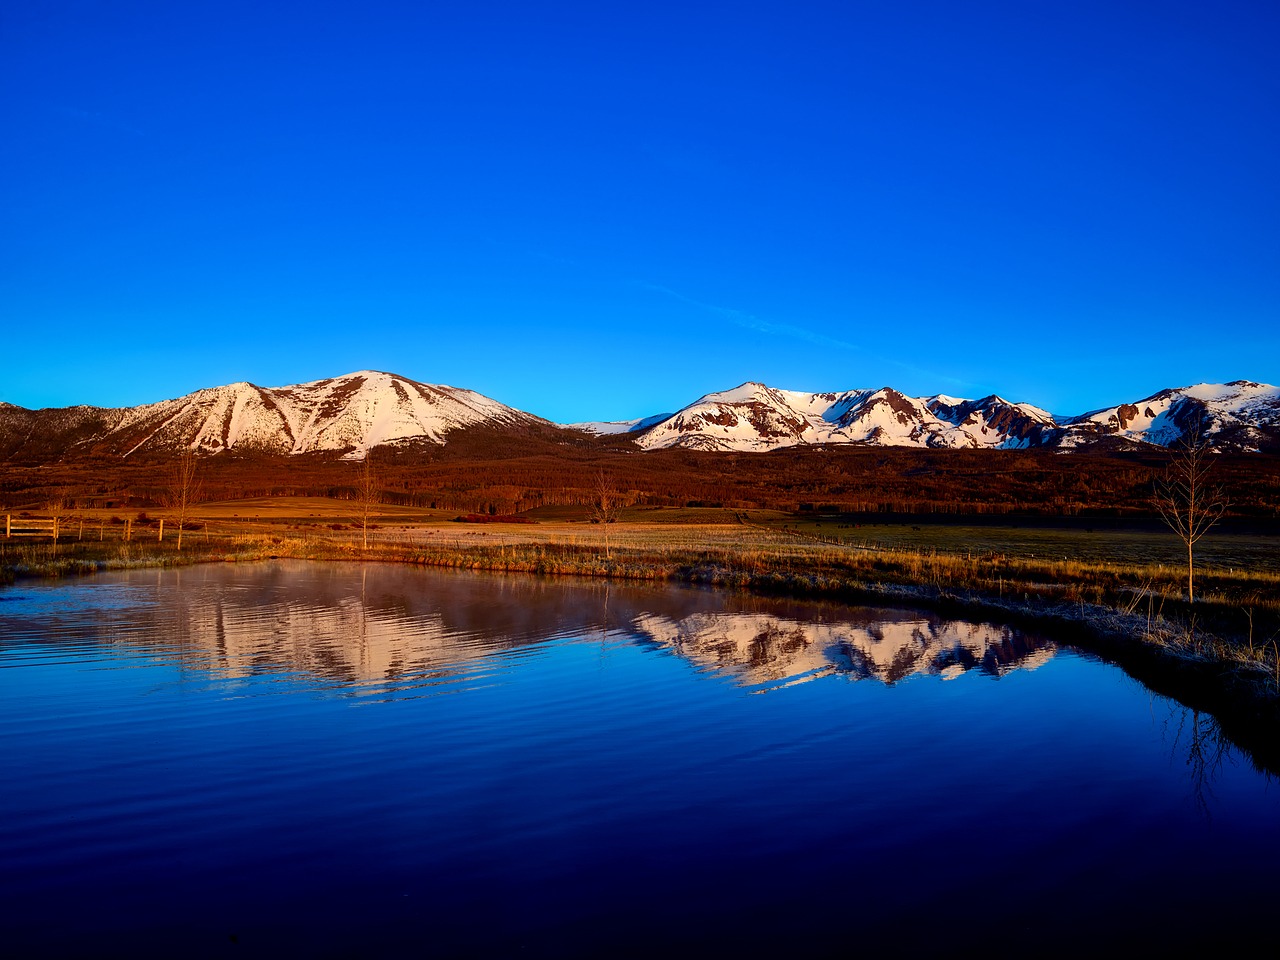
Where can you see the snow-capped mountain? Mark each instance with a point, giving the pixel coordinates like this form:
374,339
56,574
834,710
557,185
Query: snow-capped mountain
349,414
352,414
756,417
1239,415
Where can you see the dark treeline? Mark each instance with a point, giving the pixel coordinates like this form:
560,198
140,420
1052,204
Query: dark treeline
494,473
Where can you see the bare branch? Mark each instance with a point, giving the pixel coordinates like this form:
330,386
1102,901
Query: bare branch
184,486
1185,498
368,495
605,503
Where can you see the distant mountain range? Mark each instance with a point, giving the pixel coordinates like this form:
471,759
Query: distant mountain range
1238,416
352,414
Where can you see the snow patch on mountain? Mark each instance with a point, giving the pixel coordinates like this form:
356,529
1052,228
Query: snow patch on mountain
754,417
352,414
1240,415
609,428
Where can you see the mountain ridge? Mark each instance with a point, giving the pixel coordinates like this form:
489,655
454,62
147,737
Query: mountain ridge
350,415
1241,416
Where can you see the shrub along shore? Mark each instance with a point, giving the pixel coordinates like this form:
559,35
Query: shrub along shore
1220,655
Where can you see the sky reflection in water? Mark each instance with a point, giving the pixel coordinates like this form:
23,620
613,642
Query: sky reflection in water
307,757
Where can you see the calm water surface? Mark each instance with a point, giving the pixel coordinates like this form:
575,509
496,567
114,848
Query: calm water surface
370,761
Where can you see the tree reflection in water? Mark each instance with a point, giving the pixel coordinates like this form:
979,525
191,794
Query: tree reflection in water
1207,748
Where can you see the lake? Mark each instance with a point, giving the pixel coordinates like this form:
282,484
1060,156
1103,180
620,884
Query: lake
344,760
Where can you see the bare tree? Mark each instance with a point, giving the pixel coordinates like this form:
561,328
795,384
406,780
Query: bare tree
1189,504
184,486
605,503
368,495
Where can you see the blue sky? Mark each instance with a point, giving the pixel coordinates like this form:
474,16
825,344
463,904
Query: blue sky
592,213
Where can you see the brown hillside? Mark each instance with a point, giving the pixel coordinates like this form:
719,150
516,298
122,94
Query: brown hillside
481,470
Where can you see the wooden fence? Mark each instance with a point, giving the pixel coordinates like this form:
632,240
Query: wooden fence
72,528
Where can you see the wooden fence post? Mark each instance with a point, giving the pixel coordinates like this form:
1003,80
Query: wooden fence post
161,536
128,530
81,537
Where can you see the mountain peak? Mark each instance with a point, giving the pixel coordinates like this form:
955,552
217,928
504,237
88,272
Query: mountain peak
352,413
349,414
754,416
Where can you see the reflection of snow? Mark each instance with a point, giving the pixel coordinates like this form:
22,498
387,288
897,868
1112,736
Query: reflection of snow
766,649
385,628
342,641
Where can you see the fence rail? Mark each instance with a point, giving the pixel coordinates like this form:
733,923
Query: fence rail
29,527
74,528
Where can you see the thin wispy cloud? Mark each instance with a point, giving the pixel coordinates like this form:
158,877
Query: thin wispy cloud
931,375
749,321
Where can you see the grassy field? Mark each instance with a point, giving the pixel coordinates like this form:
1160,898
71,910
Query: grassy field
1092,544
690,527
1250,561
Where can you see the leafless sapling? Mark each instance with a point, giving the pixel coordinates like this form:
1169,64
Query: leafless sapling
1186,499
604,505
368,495
184,486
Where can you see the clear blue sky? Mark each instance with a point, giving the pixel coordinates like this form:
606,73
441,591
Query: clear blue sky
588,212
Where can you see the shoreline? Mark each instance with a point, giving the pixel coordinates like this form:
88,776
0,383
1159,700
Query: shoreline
1235,681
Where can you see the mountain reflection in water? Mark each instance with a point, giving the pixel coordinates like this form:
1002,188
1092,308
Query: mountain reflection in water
387,634
766,649
341,760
